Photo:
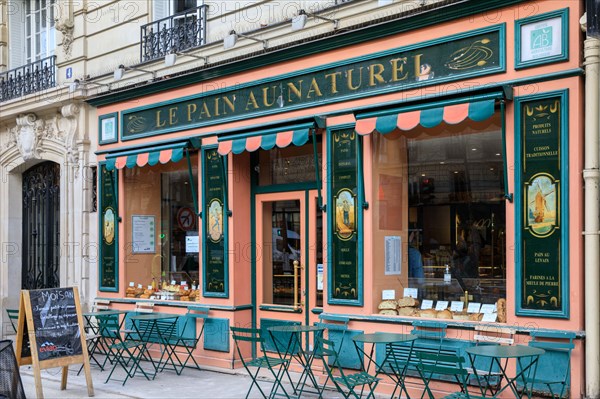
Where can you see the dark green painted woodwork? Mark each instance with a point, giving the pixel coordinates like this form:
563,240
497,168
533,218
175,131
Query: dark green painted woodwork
473,53
214,220
216,334
343,210
109,226
541,198
281,338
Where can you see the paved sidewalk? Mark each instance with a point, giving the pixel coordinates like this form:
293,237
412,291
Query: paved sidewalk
190,384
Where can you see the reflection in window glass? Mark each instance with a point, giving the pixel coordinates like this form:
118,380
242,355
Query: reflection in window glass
163,193
441,190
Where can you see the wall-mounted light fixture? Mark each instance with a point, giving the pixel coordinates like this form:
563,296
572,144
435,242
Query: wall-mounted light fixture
299,21
231,39
120,71
171,59
83,85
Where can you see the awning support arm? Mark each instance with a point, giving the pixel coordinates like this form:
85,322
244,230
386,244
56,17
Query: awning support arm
507,196
192,182
317,174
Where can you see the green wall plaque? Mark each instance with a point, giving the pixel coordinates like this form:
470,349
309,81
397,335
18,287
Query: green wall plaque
543,264
344,209
214,265
109,229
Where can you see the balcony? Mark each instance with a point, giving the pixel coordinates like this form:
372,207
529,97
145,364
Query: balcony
27,79
179,32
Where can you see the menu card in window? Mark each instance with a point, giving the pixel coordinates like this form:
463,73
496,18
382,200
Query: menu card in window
457,306
426,304
441,305
142,234
488,308
474,307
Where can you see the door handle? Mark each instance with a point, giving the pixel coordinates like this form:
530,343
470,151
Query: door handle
297,302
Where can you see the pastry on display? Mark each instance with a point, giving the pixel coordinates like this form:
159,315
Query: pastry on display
476,316
408,301
444,314
408,311
388,312
460,316
428,313
501,309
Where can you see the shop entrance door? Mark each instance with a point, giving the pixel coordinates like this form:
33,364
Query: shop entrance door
288,257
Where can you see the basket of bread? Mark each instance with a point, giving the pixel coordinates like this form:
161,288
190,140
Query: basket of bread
406,306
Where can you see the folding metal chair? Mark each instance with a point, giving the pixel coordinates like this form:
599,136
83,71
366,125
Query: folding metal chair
276,365
193,314
13,316
490,335
557,371
335,330
431,364
345,383
125,352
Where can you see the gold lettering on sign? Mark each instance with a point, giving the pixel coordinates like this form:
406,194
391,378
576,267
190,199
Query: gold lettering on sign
351,86
375,72
398,69
159,122
251,102
293,89
230,104
191,109
314,88
173,116
273,96
204,112
333,79
418,65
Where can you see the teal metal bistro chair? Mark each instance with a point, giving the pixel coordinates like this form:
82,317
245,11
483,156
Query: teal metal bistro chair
432,365
13,317
345,383
276,365
554,366
189,344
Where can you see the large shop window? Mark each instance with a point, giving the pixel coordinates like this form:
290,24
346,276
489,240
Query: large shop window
161,229
439,191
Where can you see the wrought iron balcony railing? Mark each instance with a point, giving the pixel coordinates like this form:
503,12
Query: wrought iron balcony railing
173,34
27,79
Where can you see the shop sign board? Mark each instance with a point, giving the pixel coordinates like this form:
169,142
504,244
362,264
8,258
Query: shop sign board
345,285
108,207
214,265
543,244
474,53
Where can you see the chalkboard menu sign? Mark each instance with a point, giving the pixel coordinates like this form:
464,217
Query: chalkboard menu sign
50,334
55,323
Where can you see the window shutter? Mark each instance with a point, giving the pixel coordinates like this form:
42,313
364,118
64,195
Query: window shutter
160,9
16,32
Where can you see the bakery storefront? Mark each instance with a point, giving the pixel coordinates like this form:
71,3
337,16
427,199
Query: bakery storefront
430,176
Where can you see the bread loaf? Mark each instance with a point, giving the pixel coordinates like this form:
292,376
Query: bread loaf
389,304
407,311
444,314
460,316
475,316
408,301
501,308
428,313
388,312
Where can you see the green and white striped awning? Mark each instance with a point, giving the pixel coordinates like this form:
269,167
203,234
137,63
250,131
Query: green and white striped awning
149,156
266,139
427,116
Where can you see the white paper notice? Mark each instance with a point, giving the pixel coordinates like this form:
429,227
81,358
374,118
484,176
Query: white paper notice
426,304
142,234
320,276
411,292
192,244
393,255
457,306
490,317
441,305
388,294
488,308
473,307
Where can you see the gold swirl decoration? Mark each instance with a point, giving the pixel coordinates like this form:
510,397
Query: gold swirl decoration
136,124
475,55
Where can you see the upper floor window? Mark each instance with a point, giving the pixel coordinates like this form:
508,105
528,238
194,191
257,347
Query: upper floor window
163,9
31,31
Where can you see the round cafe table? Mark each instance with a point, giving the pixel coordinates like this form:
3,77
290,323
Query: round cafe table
526,358
387,339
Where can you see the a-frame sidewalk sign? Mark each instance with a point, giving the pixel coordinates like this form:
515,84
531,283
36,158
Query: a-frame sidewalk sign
50,334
